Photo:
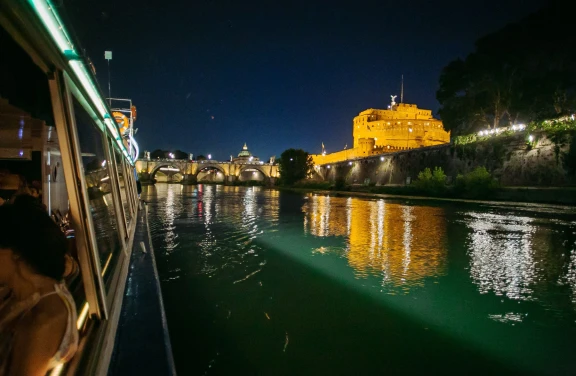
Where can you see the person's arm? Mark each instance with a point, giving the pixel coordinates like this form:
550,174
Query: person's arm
38,337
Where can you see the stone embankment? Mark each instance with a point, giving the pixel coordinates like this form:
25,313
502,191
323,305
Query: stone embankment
514,162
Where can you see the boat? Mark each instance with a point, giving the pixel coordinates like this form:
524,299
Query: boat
58,130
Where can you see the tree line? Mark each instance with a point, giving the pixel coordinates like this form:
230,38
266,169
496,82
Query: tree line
524,72
178,154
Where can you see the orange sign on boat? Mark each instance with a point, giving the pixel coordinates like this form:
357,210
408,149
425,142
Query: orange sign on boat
133,110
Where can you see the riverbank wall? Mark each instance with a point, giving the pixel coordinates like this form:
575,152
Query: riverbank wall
526,195
513,161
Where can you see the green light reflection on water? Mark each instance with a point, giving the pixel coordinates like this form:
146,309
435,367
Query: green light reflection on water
495,278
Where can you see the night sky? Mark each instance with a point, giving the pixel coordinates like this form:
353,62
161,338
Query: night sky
207,76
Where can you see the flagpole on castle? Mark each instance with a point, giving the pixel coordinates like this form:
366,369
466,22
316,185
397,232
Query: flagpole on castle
402,90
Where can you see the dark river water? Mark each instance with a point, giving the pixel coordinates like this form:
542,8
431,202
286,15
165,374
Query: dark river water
263,282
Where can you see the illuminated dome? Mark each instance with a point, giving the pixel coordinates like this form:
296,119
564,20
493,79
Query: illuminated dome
245,156
244,153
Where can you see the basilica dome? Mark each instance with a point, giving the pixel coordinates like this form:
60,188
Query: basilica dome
245,152
245,156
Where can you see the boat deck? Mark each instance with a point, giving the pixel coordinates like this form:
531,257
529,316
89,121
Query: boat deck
142,341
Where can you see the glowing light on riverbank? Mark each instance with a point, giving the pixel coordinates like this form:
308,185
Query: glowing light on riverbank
496,131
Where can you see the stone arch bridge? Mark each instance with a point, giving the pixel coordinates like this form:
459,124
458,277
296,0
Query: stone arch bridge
190,170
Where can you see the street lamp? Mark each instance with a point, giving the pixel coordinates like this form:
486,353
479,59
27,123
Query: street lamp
209,156
171,155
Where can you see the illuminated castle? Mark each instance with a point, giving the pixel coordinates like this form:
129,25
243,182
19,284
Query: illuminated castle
402,126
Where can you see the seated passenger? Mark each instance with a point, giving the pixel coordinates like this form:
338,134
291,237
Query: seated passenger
37,314
8,185
28,200
34,192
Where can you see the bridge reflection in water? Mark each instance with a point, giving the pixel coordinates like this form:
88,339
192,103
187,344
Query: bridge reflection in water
401,244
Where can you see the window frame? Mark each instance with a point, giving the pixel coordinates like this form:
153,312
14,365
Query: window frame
98,316
81,219
120,215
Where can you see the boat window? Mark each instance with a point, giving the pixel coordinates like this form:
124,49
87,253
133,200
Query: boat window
30,156
123,189
132,183
99,190
54,190
25,113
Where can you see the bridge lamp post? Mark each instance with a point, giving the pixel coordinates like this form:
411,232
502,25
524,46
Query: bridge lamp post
209,156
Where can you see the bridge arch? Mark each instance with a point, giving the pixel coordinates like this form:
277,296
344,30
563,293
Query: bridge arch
205,169
247,168
167,165
319,172
214,166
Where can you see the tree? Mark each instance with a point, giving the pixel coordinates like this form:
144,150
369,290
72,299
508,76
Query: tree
158,154
200,158
521,73
294,165
179,154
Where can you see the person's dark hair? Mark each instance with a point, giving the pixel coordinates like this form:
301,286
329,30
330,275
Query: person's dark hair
31,234
27,200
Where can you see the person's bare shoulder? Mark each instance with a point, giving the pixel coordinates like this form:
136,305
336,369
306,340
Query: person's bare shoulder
38,336
50,310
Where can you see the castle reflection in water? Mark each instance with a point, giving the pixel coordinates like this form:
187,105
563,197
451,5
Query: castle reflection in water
506,253
401,244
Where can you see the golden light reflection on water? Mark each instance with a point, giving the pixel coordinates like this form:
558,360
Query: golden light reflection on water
400,244
523,258
169,234
502,254
571,274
